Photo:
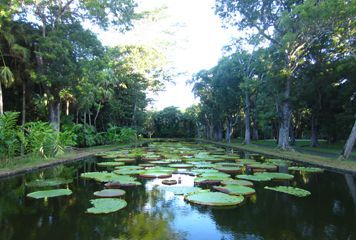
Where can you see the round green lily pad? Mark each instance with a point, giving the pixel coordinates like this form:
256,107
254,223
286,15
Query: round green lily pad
279,162
146,165
129,168
129,171
230,170
257,178
245,161
159,162
124,180
235,189
50,193
202,171
48,182
109,193
155,174
276,175
181,165
110,164
106,205
306,169
298,192
262,166
237,182
125,160
214,199
181,190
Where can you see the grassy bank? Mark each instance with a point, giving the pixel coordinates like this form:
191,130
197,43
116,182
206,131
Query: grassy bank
330,163
30,163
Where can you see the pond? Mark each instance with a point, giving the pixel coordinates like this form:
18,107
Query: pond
154,212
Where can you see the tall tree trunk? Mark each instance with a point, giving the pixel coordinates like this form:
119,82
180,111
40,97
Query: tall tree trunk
85,117
283,135
247,119
55,113
255,132
314,132
292,133
89,117
1,103
67,107
346,152
23,119
97,114
228,129
77,116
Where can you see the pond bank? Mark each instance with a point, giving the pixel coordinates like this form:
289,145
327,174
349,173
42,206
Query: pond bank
332,164
28,164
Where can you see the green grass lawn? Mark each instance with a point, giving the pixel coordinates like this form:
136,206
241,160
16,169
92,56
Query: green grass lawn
304,144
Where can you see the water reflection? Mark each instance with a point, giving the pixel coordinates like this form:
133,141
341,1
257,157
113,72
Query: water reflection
153,213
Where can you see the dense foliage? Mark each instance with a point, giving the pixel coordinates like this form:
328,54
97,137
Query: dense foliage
293,81
63,86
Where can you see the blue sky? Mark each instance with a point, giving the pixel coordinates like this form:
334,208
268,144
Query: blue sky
188,33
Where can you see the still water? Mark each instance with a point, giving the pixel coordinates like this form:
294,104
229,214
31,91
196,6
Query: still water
152,213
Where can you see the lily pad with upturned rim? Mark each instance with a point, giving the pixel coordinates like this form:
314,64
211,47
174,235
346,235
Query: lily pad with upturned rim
298,192
306,169
237,182
106,205
276,175
169,182
181,190
235,190
110,193
213,199
254,177
230,170
181,165
155,174
125,160
110,164
49,193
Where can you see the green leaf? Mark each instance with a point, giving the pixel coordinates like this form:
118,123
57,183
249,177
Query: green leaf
49,193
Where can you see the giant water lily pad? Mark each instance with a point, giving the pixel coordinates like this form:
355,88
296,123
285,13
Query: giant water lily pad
125,160
230,170
202,171
262,166
237,182
129,168
235,189
279,162
246,161
48,182
50,193
181,190
298,192
109,193
155,174
276,175
213,199
106,205
129,171
124,180
211,179
306,169
181,165
257,178
110,164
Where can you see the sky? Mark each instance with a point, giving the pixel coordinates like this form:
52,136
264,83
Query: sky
188,33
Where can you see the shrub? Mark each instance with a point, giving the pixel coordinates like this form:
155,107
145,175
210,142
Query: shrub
128,135
9,135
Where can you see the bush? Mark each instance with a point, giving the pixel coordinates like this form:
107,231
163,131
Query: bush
9,135
83,134
128,135
113,134
42,140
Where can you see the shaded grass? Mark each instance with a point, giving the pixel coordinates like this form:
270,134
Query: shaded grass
30,162
304,145
317,160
